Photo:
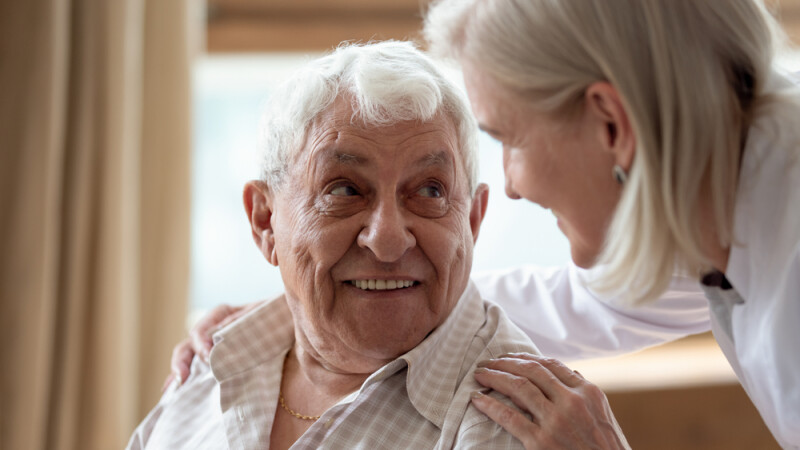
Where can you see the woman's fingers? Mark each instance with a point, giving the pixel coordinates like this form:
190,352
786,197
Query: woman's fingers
566,375
199,341
526,395
567,410
200,334
531,371
507,417
181,360
236,312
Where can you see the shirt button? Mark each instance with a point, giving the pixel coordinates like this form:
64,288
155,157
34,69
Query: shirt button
328,423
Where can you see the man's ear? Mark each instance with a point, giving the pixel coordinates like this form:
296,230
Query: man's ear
614,129
479,203
258,203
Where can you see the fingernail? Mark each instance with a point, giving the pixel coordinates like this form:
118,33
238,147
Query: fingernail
481,370
480,393
484,363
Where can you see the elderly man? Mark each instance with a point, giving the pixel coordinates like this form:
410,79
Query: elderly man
369,205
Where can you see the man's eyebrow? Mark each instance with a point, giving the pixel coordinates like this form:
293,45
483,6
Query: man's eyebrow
435,158
347,158
440,158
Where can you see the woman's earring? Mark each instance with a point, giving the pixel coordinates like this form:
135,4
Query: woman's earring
619,174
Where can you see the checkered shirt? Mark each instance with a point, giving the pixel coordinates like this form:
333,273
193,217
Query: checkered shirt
421,400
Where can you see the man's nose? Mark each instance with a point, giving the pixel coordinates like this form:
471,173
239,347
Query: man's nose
386,233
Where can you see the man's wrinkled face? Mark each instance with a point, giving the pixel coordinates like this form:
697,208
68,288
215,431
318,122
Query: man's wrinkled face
374,228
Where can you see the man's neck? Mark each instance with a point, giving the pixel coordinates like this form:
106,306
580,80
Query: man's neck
323,378
309,387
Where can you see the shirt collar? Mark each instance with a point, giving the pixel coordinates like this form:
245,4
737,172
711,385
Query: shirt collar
264,333
764,152
432,391
271,326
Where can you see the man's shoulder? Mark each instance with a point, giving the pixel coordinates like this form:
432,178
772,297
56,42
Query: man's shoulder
260,335
183,418
501,335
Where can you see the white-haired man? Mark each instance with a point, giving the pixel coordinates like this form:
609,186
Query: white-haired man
370,207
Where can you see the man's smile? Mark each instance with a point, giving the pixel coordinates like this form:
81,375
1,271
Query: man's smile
380,284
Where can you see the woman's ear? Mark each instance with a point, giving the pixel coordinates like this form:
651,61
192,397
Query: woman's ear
258,204
615,130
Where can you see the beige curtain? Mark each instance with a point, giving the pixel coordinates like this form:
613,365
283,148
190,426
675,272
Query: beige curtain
94,214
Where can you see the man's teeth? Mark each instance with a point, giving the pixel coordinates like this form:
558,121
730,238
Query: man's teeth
379,285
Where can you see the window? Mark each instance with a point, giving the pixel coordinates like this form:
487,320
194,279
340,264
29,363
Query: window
226,265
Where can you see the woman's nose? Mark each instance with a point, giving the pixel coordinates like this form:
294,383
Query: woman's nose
510,192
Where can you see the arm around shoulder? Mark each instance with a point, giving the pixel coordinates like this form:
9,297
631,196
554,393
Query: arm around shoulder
567,320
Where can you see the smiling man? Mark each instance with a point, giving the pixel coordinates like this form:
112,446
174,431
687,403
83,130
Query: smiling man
369,205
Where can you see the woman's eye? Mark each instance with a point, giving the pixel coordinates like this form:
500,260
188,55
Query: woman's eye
431,191
344,191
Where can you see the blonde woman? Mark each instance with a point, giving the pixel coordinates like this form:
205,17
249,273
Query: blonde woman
664,140
662,137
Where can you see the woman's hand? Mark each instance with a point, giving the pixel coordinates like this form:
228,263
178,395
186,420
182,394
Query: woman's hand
199,341
568,411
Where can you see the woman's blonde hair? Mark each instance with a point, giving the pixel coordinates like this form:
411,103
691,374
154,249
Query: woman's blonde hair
690,73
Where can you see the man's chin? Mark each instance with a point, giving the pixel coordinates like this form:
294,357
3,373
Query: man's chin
390,346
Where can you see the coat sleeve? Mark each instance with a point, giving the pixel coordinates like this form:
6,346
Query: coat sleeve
568,321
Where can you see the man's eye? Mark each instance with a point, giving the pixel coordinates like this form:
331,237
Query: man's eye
431,190
344,191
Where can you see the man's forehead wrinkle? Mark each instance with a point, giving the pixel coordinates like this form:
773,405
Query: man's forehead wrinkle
319,141
323,136
398,133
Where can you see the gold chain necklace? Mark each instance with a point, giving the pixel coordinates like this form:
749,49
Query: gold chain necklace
298,415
